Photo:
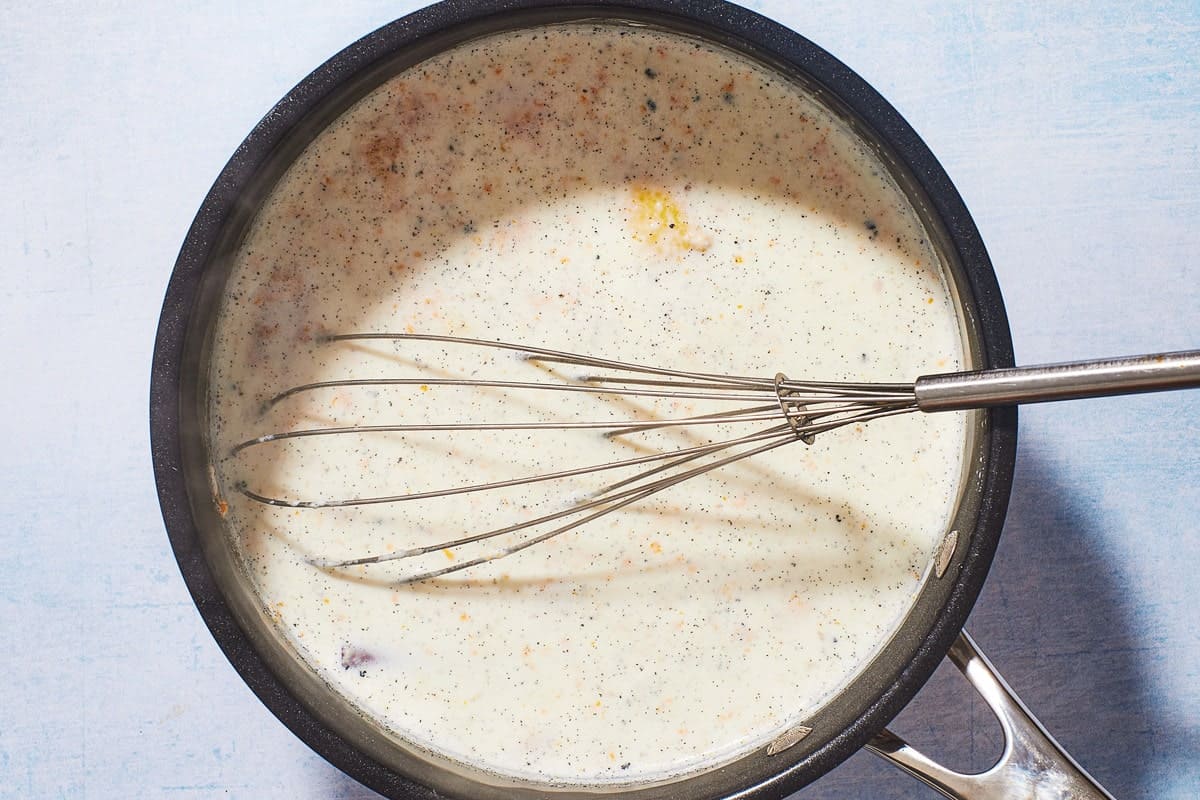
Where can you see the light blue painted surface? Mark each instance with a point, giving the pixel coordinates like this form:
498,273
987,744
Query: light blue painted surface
1073,133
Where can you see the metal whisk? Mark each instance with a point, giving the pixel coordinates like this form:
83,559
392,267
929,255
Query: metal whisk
791,411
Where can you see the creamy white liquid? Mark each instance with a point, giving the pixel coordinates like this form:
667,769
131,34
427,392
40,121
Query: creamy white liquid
617,192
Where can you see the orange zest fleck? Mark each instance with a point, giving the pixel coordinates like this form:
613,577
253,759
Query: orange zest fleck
658,220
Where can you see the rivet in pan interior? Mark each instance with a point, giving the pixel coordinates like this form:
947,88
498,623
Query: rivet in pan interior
945,553
789,738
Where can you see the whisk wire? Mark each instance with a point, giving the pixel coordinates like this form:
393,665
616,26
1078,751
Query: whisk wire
621,499
800,409
698,450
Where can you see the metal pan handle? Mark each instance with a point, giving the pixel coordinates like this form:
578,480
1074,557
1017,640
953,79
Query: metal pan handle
1032,766
1104,377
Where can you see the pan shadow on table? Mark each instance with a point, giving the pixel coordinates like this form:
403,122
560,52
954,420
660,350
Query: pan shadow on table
1055,621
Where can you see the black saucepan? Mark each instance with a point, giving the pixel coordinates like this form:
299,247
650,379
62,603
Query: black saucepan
178,407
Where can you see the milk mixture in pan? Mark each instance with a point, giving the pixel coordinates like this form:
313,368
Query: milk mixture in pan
618,192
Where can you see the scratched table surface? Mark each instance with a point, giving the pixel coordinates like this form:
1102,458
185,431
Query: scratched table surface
1072,133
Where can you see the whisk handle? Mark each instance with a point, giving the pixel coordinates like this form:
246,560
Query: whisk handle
1070,381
